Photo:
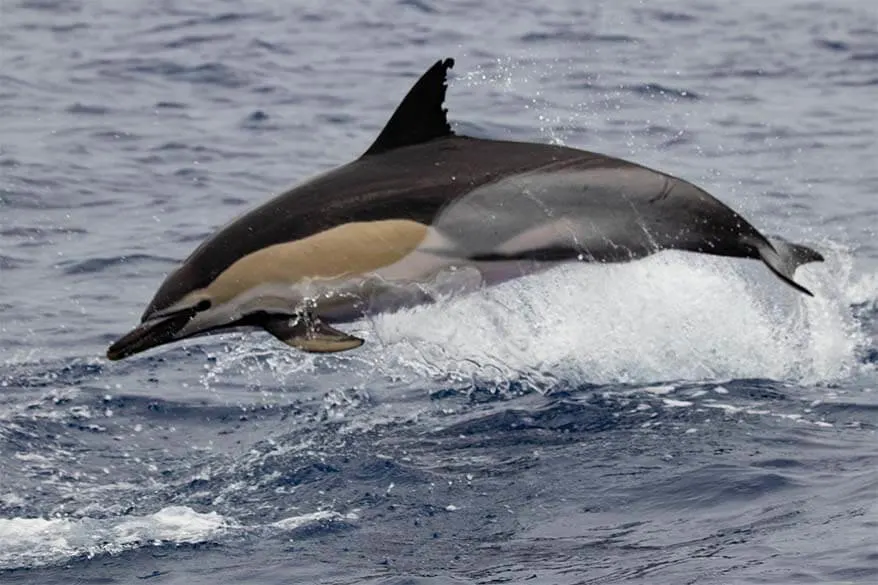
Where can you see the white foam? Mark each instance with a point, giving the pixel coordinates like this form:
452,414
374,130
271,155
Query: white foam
864,290
177,524
35,542
672,403
39,542
294,522
673,316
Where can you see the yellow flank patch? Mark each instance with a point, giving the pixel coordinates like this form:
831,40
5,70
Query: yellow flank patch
339,252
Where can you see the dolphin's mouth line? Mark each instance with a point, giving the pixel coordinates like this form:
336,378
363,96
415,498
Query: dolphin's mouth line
149,334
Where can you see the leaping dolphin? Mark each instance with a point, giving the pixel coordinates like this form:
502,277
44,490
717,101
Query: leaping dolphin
426,211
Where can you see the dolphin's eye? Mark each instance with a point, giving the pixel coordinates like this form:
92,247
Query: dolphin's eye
203,305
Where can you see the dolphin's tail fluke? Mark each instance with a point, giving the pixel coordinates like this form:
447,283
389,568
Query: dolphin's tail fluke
783,258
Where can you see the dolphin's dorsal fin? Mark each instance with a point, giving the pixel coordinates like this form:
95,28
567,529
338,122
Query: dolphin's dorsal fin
420,116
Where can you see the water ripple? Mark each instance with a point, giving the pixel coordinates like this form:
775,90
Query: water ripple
672,16
96,265
31,232
93,110
10,263
836,46
195,40
655,90
215,20
575,37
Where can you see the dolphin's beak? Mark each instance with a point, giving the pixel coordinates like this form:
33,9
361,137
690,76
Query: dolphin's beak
149,334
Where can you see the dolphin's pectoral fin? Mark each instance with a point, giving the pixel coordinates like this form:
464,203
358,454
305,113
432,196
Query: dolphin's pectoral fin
783,258
308,333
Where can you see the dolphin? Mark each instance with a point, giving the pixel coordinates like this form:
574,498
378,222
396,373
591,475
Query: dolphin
426,212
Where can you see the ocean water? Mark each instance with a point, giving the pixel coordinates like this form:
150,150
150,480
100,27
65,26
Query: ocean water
682,419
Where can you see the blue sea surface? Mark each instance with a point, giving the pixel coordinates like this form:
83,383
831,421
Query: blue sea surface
683,419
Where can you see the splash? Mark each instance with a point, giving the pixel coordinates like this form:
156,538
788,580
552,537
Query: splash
673,316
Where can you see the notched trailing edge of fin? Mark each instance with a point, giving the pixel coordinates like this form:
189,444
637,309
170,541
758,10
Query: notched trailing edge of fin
420,116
